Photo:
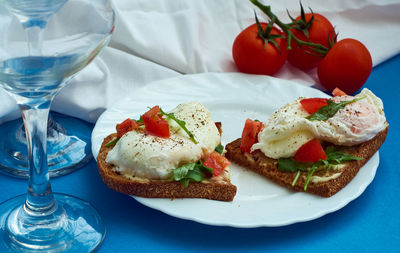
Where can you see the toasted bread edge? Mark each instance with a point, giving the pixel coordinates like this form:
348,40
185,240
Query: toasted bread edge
268,167
215,190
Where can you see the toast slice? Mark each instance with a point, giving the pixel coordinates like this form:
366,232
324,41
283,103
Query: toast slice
338,178
215,188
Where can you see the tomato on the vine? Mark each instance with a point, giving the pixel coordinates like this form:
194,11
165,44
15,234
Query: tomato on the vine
320,31
347,66
252,56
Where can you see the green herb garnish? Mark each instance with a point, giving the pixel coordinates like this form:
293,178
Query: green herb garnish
112,143
328,111
309,175
191,172
296,178
140,120
334,157
219,149
181,123
291,165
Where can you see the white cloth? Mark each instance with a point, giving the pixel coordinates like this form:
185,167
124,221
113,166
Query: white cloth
159,39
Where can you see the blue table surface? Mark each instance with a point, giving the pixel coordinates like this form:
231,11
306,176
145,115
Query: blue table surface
370,223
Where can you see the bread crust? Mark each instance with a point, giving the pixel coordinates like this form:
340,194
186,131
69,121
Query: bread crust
221,190
268,167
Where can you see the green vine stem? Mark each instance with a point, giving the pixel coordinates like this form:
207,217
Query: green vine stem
318,48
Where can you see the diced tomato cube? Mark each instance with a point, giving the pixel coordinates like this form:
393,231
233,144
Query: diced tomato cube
311,105
338,92
250,134
310,151
126,126
216,162
154,124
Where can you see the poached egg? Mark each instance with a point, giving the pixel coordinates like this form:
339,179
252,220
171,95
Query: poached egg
288,128
138,154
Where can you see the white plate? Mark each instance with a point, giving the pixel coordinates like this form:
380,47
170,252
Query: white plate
231,98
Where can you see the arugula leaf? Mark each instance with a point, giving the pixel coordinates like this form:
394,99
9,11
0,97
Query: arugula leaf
291,165
219,149
196,174
310,173
181,172
207,169
296,178
140,120
335,156
112,143
328,111
181,123
185,182
191,172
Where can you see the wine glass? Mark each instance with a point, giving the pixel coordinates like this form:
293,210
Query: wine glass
68,145
44,43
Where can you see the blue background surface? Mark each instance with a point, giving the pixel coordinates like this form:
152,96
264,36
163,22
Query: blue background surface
371,223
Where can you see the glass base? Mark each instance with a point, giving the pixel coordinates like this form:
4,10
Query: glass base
78,229
68,146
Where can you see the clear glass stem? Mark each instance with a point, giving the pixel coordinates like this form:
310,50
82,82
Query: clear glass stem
40,200
40,216
35,40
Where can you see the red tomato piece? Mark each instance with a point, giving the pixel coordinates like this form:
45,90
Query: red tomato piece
320,32
311,105
347,66
253,57
311,151
338,92
154,124
250,134
216,162
126,126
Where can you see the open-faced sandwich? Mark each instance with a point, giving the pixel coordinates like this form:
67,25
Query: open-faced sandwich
316,145
175,154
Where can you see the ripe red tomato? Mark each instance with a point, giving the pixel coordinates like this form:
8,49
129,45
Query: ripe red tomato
216,162
311,105
320,32
252,57
311,151
126,126
154,124
347,66
250,134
